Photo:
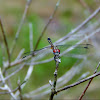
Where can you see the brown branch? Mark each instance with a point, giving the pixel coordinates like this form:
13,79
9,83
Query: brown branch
77,83
21,97
5,40
46,26
55,81
80,98
20,26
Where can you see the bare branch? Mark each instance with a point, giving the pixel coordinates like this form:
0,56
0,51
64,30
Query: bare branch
80,26
5,40
77,83
80,98
53,88
14,89
31,36
3,53
46,26
60,81
66,51
3,88
74,46
73,31
69,49
20,91
13,73
6,86
30,69
20,61
20,25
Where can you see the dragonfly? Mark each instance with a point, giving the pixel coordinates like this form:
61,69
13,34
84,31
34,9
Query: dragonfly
55,49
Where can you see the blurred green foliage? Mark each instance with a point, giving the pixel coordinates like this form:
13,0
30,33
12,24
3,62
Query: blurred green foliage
70,14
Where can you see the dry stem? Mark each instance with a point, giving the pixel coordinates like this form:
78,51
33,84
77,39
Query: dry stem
77,83
20,25
88,83
46,26
5,41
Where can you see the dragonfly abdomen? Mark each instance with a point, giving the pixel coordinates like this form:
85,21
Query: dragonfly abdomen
49,40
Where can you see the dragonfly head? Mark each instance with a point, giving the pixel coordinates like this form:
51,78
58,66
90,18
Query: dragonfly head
48,38
56,51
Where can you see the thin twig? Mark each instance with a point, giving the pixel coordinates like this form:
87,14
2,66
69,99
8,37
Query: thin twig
60,81
5,41
69,49
80,26
31,36
84,75
8,81
20,25
3,55
30,69
80,98
77,28
45,61
20,61
62,39
74,46
53,89
6,86
46,26
77,83
20,91
13,73
14,89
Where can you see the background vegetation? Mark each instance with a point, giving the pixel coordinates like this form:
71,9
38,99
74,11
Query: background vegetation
69,15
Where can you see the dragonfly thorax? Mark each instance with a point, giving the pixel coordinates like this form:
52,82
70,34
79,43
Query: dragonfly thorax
56,51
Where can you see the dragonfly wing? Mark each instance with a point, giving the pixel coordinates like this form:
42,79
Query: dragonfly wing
80,49
86,46
33,53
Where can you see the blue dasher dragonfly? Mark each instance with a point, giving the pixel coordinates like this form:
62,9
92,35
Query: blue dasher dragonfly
55,49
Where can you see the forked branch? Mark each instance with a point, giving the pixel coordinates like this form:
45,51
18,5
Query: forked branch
88,83
77,83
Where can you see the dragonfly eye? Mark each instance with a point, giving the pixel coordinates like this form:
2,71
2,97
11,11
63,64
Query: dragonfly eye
86,47
48,38
58,51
